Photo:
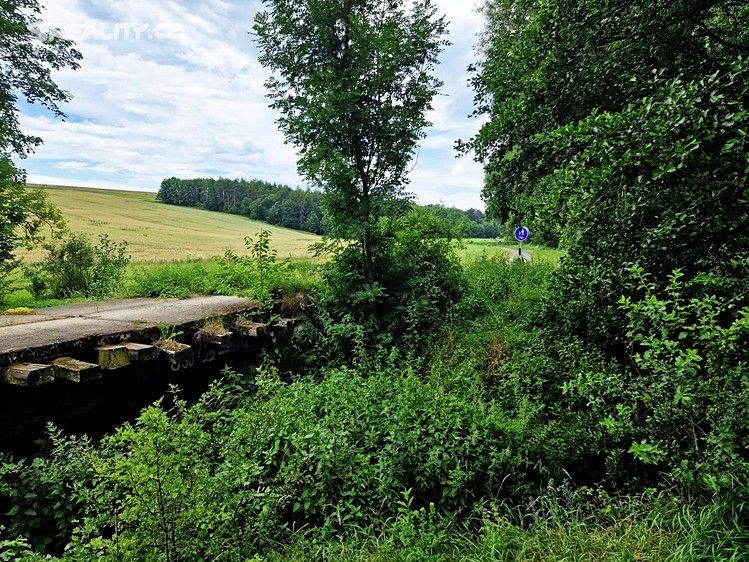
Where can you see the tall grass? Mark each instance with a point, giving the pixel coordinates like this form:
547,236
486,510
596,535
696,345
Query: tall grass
646,528
215,277
181,280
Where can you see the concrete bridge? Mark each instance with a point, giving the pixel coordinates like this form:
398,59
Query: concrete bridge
81,342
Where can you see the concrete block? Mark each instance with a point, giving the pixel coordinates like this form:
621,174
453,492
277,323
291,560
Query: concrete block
174,350
113,357
214,334
75,371
140,352
29,374
219,338
284,324
250,329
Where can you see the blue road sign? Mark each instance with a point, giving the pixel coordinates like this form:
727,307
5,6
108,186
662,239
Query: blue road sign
522,234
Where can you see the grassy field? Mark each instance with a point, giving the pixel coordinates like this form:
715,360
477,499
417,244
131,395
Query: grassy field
156,232
474,248
164,233
171,246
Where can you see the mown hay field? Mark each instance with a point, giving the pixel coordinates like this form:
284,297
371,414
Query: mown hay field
157,233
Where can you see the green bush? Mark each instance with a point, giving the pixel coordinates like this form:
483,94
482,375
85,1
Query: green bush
43,499
687,403
257,273
321,459
416,280
17,550
476,455
673,406
76,267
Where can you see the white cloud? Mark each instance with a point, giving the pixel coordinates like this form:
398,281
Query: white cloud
194,104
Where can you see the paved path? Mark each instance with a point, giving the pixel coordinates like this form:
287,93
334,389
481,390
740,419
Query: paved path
74,322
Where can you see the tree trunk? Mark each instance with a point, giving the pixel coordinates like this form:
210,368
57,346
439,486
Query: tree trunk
368,260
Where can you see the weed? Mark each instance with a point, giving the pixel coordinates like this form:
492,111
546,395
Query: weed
168,332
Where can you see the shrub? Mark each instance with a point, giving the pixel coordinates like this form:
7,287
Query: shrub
257,275
172,280
417,279
316,458
43,499
673,406
74,266
687,401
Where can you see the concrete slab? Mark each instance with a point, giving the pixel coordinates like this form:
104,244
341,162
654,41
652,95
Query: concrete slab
29,374
113,357
89,308
20,320
72,323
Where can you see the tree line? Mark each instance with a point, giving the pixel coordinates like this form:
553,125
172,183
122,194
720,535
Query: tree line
298,209
256,199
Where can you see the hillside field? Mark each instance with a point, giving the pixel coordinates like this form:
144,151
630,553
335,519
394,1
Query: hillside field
156,232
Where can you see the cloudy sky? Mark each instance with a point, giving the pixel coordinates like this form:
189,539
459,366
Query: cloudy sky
174,88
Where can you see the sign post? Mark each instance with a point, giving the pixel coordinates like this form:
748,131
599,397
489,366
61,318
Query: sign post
522,234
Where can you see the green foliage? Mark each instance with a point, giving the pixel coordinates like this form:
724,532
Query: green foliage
674,408
259,271
622,136
553,64
264,259
471,223
154,493
687,406
669,196
352,82
308,458
42,500
290,208
272,203
174,280
74,266
552,528
28,59
24,214
476,455
621,133
418,279
228,275
17,550
168,332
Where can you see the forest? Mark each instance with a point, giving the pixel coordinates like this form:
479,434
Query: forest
297,209
433,408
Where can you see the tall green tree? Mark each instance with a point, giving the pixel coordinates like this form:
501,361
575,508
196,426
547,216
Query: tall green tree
27,59
352,81
619,128
548,64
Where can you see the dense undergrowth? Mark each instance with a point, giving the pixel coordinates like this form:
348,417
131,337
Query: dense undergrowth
385,454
